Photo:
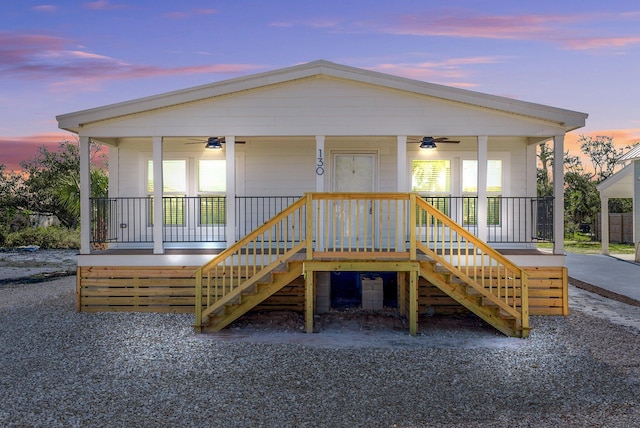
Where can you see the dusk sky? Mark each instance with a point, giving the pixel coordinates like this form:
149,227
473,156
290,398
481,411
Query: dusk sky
63,56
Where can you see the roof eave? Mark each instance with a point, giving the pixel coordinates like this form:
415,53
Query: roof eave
570,120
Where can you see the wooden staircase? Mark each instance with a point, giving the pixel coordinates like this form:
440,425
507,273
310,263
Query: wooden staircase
293,244
242,299
475,298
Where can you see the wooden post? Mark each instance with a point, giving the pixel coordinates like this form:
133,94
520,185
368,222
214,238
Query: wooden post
402,293
309,299
309,229
524,305
565,291
198,299
412,226
78,288
413,302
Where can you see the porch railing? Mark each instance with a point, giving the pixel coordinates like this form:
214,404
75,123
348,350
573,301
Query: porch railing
254,211
128,220
510,219
366,225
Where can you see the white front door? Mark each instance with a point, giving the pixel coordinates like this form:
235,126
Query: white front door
353,173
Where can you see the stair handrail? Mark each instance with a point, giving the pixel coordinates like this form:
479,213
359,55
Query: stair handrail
236,250
485,250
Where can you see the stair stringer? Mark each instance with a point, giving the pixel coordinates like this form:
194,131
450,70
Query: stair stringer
242,300
482,303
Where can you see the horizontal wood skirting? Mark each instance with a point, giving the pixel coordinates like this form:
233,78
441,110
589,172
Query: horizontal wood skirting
548,294
172,290
158,289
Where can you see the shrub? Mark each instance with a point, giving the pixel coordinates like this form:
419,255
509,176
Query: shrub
53,237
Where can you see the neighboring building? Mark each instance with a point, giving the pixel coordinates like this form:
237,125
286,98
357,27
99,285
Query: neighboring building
341,147
623,184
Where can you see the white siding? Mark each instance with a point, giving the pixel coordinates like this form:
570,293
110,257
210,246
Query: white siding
322,106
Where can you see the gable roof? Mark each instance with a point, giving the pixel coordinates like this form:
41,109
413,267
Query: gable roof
568,119
632,154
619,185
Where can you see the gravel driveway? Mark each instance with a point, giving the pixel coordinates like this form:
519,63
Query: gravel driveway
62,368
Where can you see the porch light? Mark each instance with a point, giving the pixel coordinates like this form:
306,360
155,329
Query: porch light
428,143
213,143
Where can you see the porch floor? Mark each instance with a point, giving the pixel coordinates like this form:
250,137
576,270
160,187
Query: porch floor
214,251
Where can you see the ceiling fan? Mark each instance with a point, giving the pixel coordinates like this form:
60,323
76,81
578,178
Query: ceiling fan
430,142
214,143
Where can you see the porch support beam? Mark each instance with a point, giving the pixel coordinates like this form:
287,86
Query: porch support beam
85,194
158,189
401,141
483,232
230,158
604,224
309,276
413,303
558,194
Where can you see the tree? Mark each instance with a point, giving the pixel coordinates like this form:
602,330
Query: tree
582,200
545,186
603,155
50,184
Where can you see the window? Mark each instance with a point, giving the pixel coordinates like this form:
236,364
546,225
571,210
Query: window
431,176
212,183
432,179
174,189
470,186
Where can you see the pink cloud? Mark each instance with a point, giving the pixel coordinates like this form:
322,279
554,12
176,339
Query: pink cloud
184,15
45,8
460,24
103,5
28,56
450,71
600,42
17,149
557,29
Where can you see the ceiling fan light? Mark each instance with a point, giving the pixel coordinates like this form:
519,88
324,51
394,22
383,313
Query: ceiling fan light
428,143
213,143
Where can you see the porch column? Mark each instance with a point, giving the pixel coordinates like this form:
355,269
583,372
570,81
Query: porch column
604,224
636,207
558,194
401,166
230,158
158,192
483,232
532,192
321,167
85,194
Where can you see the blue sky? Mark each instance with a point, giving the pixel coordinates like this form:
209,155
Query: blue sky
62,56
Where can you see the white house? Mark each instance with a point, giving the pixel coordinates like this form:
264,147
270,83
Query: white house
193,174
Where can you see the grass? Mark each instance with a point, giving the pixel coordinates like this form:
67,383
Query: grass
583,244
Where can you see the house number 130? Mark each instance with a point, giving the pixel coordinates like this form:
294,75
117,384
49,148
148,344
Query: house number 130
320,164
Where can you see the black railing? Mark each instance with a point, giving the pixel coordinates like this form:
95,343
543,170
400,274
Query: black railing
129,220
542,217
253,211
120,220
203,218
510,219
